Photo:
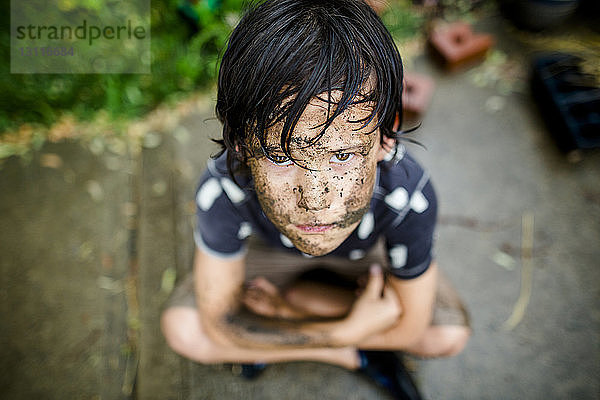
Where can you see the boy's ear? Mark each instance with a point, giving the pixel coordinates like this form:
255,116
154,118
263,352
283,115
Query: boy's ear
387,145
396,127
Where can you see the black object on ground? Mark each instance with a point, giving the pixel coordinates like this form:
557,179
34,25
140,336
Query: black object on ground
537,15
568,99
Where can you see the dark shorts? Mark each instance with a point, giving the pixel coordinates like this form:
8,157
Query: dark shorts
283,268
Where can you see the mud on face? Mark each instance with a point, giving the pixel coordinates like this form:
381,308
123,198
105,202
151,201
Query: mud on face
317,199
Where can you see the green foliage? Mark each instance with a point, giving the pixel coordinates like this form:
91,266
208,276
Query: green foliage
402,20
187,40
182,61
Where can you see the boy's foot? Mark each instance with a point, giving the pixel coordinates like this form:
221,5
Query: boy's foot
387,370
249,371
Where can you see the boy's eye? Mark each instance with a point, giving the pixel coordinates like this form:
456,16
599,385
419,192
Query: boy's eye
342,157
280,160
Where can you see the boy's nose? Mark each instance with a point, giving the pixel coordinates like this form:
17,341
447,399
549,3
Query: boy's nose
313,193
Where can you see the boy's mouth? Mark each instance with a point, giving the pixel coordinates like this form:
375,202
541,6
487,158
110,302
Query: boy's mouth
314,228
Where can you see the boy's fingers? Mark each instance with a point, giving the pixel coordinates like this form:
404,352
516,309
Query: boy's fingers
266,285
375,284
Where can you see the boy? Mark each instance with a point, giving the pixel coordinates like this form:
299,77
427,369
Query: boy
309,95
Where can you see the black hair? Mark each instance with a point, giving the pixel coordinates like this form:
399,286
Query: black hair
284,53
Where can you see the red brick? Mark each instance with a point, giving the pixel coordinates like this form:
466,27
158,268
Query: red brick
416,97
457,45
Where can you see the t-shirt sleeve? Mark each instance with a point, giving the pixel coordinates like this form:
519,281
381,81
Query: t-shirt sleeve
410,241
220,228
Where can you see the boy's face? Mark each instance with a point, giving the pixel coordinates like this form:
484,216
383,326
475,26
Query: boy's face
317,207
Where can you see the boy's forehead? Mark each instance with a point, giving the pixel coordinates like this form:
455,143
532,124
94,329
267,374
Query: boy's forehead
347,130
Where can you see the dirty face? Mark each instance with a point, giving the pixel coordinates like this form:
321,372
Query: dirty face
318,200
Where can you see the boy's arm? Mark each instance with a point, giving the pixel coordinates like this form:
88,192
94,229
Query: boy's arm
219,285
416,298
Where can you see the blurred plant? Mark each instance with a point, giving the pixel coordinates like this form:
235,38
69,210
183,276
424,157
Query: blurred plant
188,37
183,60
403,20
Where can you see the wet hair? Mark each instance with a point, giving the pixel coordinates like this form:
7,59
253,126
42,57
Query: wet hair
284,53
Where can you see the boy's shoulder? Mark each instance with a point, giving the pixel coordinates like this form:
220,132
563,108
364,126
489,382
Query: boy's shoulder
401,174
403,188
216,182
216,169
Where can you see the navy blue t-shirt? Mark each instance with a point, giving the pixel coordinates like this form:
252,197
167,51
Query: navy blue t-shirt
403,210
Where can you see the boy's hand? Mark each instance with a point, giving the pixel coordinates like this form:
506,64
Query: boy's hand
375,310
263,298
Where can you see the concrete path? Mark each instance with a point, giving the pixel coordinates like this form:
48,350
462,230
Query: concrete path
65,283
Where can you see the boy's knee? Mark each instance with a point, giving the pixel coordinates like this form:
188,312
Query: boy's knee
184,335
453,340
442,341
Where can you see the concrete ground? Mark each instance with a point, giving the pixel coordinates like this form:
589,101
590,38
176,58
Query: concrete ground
92,239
